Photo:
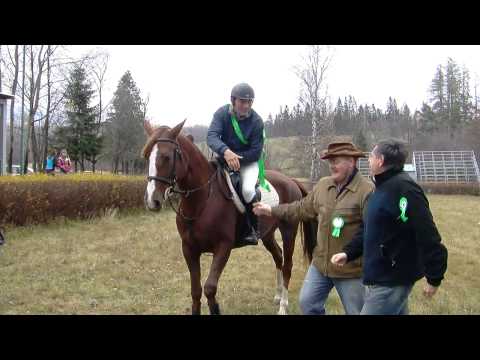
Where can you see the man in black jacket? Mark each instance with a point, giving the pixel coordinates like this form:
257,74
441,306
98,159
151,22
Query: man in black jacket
399,242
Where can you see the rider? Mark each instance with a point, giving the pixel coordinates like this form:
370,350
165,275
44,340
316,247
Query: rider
236,135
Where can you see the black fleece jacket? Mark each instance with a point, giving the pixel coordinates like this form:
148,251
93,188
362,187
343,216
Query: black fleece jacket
397,252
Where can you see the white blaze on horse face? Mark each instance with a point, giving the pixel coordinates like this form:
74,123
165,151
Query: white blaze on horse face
152,171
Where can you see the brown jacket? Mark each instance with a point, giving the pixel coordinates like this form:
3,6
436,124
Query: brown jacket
321,203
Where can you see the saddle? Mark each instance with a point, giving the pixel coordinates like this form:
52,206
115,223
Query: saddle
231,188
234,187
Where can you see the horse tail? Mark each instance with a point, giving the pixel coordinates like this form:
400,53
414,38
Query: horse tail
309,229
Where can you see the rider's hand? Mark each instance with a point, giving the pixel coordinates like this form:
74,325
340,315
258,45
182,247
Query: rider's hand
339,259
232,159
262,209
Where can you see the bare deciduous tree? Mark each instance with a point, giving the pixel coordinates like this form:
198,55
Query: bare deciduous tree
16,64
1,62
313,97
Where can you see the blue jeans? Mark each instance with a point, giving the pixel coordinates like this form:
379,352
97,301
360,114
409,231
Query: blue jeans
316,288
386,300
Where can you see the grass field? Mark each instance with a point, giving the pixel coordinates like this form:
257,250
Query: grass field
132,264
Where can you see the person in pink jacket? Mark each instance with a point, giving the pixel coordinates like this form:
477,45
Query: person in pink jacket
63,162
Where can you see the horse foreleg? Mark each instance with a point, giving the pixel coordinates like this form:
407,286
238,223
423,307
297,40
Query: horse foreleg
220,258
193,262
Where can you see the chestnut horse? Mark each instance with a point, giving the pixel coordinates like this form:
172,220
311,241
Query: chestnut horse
207,220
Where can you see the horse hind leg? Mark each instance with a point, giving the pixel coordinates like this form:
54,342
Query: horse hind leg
289,232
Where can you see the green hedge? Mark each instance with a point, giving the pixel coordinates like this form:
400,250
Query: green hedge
41,198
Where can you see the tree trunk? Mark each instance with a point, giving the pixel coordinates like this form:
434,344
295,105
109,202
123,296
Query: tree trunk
115,166
12,109
34,145
22,120
313,164
27,148
0,68
35,84
47,118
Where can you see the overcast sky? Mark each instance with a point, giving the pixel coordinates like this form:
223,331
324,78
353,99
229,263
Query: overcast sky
194,81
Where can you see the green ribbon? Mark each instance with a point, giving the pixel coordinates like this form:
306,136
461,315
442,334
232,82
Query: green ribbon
261,161
402,204
238,131
337,223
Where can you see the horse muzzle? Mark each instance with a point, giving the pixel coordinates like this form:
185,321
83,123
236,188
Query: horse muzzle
153,204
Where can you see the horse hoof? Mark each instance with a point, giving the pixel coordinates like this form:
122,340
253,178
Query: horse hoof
282,311
215,310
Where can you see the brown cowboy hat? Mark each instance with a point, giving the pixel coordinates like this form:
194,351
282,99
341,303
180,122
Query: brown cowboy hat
342,149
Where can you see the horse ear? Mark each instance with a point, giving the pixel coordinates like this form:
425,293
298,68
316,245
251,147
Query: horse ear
176,130
190,137
148,127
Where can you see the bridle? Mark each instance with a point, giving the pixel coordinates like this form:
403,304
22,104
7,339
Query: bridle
171,180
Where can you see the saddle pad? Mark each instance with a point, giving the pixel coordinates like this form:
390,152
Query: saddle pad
236,199
268,197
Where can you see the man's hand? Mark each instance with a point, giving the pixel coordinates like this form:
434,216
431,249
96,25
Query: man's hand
232,159
429,290
339,259
260,208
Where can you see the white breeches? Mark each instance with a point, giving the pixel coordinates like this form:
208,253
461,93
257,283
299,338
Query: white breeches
249,176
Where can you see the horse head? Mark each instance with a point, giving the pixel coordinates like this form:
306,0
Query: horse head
167,163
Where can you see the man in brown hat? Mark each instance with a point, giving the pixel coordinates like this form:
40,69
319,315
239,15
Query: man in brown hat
337,203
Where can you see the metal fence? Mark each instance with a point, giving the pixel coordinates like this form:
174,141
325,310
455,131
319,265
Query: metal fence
446,166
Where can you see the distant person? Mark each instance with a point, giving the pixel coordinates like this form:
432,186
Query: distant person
236,136
400,242
50,163
337,203
63,162
2,236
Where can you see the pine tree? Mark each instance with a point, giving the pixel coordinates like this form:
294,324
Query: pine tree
360,140
125,134
80,135
338,118
453,85
466,105
428,123
437,92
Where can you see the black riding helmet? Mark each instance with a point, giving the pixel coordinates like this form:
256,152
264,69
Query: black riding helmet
242,91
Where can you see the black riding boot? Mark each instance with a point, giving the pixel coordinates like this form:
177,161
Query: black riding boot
252,220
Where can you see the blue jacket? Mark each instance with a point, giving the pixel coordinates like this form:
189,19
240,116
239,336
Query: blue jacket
397,252
221,135
50,163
